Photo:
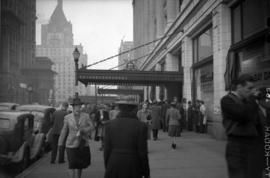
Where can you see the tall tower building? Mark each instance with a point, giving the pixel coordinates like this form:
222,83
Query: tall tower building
57,44
125,58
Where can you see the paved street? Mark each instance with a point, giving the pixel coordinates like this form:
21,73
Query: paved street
196,156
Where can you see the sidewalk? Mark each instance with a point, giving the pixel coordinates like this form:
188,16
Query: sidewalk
196,156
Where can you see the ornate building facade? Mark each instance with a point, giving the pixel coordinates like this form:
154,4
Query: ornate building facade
211,42
17,48
57,44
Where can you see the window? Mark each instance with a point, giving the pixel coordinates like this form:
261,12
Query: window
248,18
203,45
4,123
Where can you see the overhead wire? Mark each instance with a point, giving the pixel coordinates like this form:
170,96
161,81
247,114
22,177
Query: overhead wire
124,52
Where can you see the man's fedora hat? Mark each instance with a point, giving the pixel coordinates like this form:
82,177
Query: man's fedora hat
76,101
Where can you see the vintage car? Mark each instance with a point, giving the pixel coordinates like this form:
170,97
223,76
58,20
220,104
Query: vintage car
42,119
19,145
8,106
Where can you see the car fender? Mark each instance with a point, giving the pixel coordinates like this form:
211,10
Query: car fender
18,156
37,145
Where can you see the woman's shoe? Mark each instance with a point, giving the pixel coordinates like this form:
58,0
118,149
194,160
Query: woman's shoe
174,146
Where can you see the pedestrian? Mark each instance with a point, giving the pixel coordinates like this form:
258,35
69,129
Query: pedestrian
102,119
197,116
77,127
203,118
164,107
144,115
125,151
190,116
113,112
173,119
241,123
58,120
156,119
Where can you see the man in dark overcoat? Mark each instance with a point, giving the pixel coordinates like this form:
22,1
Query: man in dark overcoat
125,151
102,117
58,120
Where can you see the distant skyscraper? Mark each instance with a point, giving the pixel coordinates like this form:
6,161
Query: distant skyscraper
125,58
57,44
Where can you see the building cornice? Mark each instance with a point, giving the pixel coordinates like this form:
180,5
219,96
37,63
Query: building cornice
183,26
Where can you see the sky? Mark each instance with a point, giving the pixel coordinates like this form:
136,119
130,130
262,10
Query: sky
99,25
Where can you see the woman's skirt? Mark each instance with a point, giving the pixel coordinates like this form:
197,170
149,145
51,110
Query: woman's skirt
78,158
174,131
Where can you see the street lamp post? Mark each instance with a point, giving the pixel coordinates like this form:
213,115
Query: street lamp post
76,56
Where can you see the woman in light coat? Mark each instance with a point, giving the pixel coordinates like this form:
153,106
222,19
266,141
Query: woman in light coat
144,115
77,129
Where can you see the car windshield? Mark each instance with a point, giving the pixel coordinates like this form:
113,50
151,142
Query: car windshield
4,123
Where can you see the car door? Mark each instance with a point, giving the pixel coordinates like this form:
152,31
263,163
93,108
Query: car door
28,129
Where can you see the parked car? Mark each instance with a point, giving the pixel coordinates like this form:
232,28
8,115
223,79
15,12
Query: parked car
19,145
42,119
8,106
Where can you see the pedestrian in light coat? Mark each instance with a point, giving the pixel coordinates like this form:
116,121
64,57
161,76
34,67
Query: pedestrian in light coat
77,128
144,115
173,119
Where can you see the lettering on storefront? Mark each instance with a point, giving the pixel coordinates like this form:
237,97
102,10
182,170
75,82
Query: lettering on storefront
207,82
262,76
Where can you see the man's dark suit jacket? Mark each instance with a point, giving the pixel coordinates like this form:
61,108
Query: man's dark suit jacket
58,121
240,117
126,151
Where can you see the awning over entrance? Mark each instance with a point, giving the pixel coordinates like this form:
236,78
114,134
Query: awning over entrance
120,91
125,77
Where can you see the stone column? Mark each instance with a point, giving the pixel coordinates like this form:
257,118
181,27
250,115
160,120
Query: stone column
221,45
157,68
171,12
159,18
152,25
171,62
187,63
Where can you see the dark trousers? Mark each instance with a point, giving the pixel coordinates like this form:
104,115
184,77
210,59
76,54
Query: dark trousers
244,159
61,150
155,133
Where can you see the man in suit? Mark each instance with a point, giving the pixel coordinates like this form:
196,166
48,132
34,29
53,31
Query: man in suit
125,151
242,125
58,119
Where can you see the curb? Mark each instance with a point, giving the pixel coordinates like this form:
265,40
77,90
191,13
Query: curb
33,166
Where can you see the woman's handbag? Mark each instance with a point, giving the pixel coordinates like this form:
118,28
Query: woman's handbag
81,144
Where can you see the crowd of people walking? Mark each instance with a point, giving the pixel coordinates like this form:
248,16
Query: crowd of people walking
123,129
